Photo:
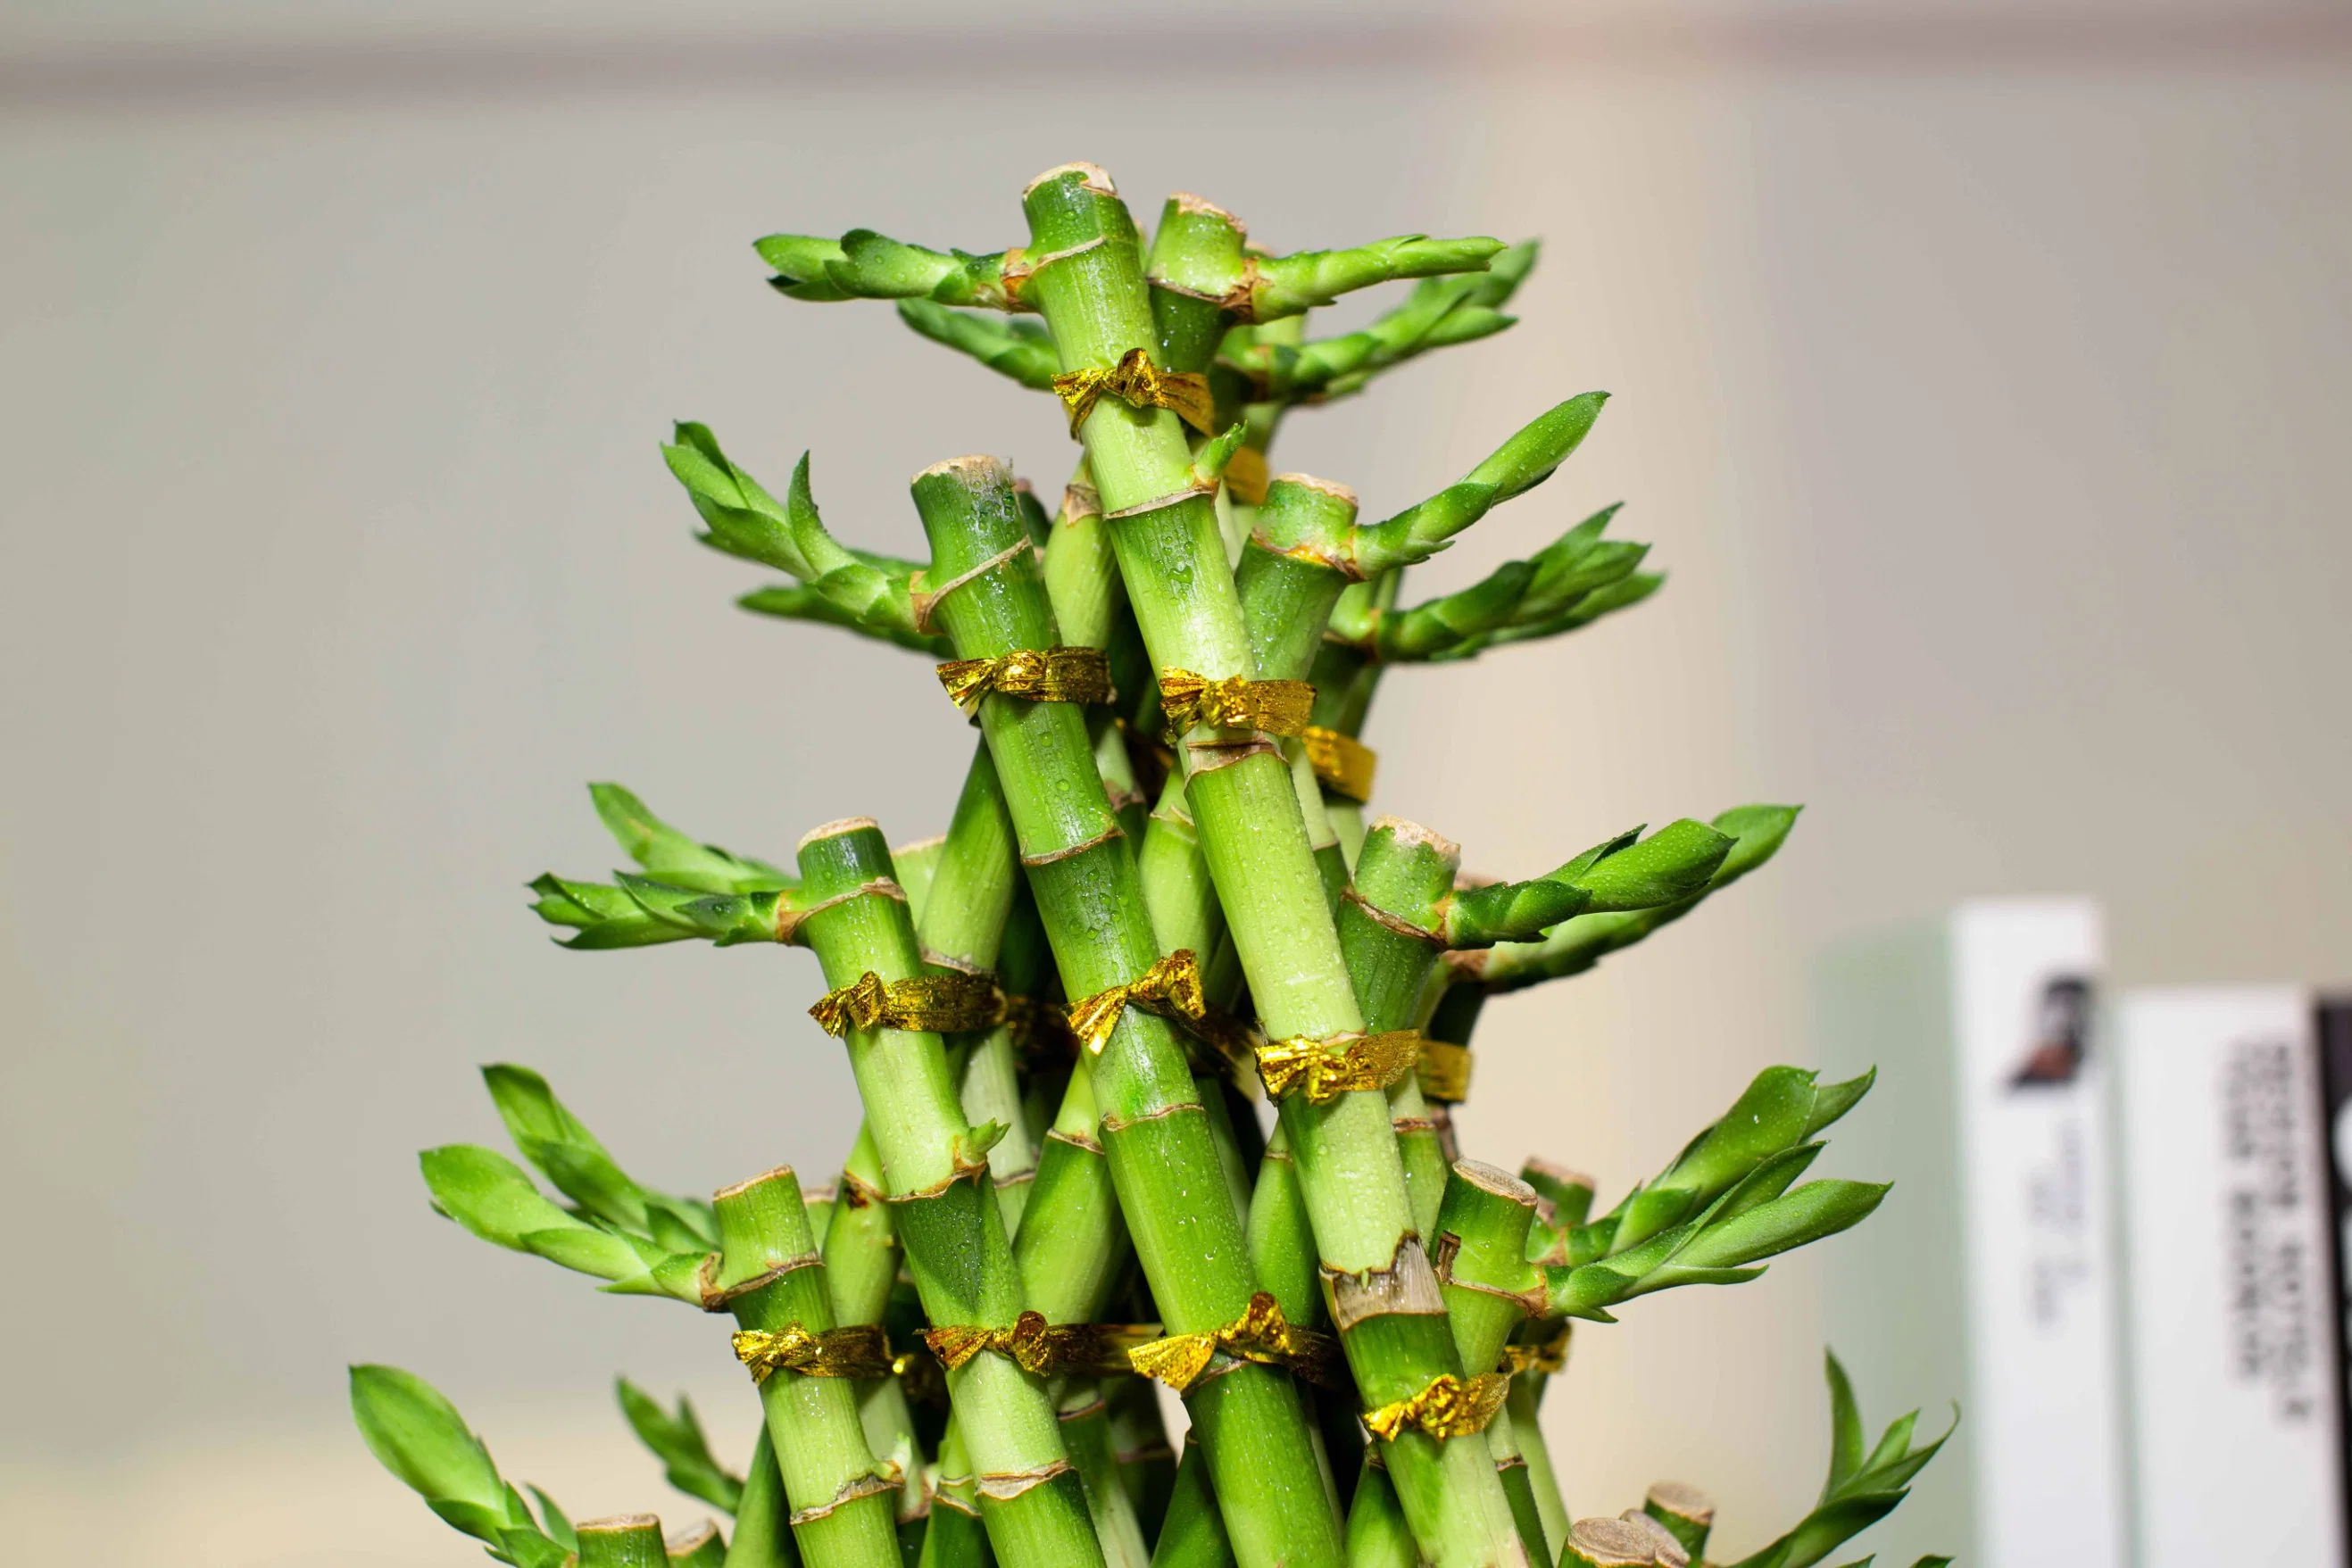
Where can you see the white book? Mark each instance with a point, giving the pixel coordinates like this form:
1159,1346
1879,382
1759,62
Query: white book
1988,1276
2231,1307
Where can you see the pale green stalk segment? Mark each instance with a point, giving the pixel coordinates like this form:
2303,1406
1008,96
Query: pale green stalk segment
947,1217
1490,1291
1147,1465
1094,299
629,1541
1085,1432
763,1536
1193,1535
1543,1479
1406,874
771,1279
1378,1535
1158,1138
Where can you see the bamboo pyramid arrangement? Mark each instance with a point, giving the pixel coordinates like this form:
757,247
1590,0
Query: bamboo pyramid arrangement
1158,910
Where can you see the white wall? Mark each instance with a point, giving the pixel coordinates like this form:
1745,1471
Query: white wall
1981,389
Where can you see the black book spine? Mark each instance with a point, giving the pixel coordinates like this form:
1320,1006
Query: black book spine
2334,1030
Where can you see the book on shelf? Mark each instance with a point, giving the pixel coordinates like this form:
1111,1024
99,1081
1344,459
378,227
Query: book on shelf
2231,1308
1989,1277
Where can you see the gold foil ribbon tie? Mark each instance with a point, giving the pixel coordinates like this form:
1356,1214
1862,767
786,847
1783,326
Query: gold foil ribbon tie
1136,382
1450,1407
938,1004
1444,1071
1040,1030
1278,707
1044,676
1247,477
1261,1335
1343,763
1549,1357
1326,1069
1098,1350
1172,989
861,1350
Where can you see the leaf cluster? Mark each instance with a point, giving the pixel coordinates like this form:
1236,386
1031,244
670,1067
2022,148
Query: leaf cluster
1581,941
686,891
1724,1204
418,1435
1866,1483
1570,583
675,1439
642,1242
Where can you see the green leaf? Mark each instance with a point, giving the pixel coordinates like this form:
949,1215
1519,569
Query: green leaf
1757,833
1845,1428
490,1195
530,1110
1008,345
603,918
1813,1211
588,1251
671,856
1770,1115
1671,864
794,603
416,1433
1832,1101
679,1442
1653,1209
558,1526
587,1176
801,262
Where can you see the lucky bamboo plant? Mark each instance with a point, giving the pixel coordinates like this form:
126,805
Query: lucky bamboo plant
1158,1044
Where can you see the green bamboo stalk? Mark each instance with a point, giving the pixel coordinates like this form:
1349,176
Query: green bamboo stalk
955,1537
1683,1510
1543,1479
861,1264
962,927
1086,1433
770,1275
951,1225
1378,1535
1088,284
763,1536
624,1540
1147,1465
1608,1543
1153,1129
1490,1291
1194,1534
697,1546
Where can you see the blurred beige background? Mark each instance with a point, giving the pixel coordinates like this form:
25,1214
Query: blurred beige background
1979,375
